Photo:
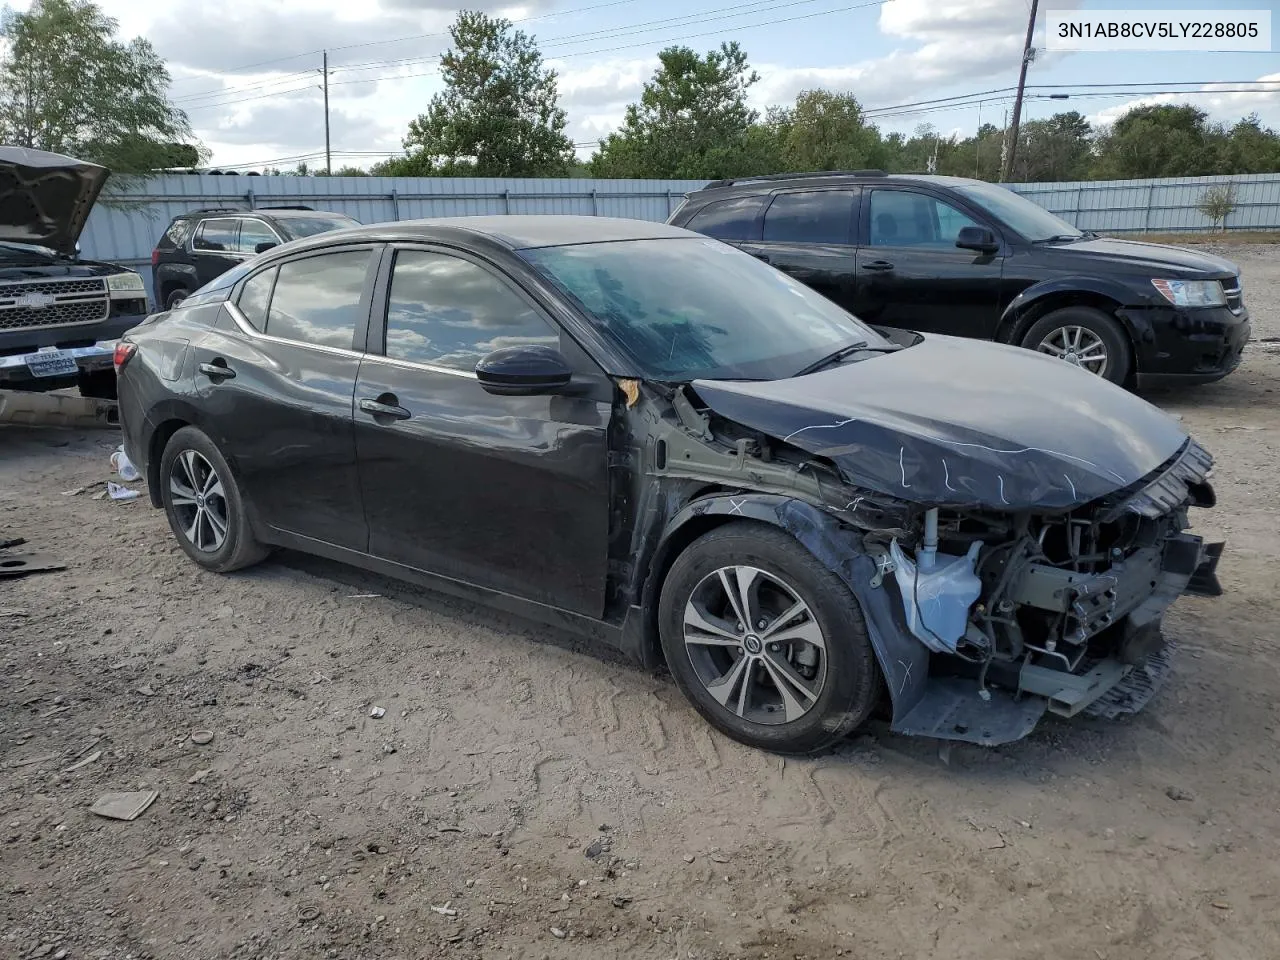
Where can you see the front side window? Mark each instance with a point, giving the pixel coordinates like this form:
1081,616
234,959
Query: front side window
252,233
902,218
684,308
814,216
728,219
216,236
317,300
448,311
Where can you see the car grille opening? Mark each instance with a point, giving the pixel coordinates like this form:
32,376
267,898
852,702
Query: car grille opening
53,303
1234,294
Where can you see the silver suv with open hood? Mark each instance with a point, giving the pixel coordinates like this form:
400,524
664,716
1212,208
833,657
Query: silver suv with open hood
59,315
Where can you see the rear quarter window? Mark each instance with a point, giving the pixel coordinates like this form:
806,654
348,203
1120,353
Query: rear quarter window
176,235
734,219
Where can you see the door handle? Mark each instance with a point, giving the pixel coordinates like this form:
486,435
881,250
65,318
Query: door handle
217,371
878,265
385,406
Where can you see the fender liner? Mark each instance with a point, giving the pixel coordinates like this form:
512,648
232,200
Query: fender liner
1138,328
904,661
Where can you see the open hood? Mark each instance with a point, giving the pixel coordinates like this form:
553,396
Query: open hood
952,422
45,198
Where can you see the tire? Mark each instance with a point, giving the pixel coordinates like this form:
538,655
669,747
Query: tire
175,297
840,677
185,465
1083,332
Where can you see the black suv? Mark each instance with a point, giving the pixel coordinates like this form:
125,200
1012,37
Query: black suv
203,244
956,256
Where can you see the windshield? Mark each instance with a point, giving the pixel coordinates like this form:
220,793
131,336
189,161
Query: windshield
1034,222
685,309
299,227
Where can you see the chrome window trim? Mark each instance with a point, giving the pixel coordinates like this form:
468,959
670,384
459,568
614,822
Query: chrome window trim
249,330
418,365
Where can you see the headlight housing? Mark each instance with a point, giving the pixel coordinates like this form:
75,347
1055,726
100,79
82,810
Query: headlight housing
1192,293
127,282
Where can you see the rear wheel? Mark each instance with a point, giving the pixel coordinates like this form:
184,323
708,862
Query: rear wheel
175,297
203,504
766,642
1084,337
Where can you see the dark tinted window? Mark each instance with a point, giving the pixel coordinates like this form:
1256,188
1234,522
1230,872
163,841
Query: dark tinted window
216,236
317,300
254,296
177,233
448,311
820,216
728,219
900,218
254,232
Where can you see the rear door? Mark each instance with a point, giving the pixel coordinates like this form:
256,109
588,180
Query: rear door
214,247
277,380
809,235
911,275
505,492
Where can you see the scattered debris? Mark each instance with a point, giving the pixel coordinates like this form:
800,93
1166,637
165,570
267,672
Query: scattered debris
85,489
307,914
21,564
199,775
1219,905
688,858
145,690
595,848
118,491
558,933
620,902
1178,793
124,806
54,712
201,737
378,713
362,596
91,758
15,542
446,911
32,760
122,465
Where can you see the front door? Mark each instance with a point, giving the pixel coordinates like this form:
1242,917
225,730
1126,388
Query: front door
507,493
910,273
277,380
808,234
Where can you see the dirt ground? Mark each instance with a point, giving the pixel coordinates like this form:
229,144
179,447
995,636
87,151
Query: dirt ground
526,796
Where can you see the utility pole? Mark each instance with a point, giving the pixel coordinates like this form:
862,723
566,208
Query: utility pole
1028,53
977,145
328,160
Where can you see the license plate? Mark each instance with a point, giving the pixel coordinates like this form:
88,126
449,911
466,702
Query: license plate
52,363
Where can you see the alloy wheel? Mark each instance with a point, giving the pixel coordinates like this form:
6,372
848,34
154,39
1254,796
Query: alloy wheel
198,501
1077,345
755,645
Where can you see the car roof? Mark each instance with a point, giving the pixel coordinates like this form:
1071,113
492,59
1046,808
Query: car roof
775,181
513,231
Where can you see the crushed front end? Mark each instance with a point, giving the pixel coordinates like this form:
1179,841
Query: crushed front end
1025,613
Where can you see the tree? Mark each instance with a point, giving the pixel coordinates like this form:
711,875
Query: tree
1252,148
1217,203
1159,141
1058,148
68,86
826,131
499,114
692,121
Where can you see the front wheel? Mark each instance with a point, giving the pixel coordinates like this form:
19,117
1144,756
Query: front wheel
766,642
203,504
1084,337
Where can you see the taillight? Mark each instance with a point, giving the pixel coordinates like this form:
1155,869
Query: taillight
155,257
123,352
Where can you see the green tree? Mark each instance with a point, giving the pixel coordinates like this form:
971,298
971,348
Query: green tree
692,121
1057,148
499,114
826,131
1251,148
69,86
1160,141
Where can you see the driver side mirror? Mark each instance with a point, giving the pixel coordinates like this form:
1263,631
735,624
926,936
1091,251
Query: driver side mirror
265,246
524,371
977,238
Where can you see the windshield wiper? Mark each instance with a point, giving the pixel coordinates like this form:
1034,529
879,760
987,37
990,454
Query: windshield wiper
844,352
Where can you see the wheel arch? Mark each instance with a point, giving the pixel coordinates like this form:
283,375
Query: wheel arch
903,660
1043,298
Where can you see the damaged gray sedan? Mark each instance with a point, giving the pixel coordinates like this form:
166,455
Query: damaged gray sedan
653,438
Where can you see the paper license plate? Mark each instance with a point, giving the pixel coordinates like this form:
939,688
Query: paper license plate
52,363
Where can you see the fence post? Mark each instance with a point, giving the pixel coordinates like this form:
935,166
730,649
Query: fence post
595,206
395,204
249,198
1146,222
668,202
506,201
1079,201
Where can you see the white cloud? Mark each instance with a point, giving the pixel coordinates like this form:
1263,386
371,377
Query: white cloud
1224,107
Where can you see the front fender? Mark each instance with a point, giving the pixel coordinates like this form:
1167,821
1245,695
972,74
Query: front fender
903,660
1036,293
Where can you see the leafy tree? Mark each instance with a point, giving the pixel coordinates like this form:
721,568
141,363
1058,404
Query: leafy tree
1217,203
68,86
692,121
1058,148
826,131
499,114
1251,148
1159,141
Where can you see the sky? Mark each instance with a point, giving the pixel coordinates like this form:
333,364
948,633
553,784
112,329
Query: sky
248,72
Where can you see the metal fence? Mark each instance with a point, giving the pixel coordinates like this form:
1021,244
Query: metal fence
126,227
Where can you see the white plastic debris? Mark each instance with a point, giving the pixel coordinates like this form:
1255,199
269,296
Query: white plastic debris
122,465
118,491
378,713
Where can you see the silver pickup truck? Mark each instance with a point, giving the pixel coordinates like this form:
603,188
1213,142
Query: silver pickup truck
59,315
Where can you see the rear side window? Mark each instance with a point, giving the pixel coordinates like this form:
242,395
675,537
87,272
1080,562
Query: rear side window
317,300
216,236
176,235
814,216
254,297
733,219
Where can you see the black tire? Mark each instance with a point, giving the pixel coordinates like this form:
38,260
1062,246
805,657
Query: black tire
237,548
98,384
1052,328
847,680
175,297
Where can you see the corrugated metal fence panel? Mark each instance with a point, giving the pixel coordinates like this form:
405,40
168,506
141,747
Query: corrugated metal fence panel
126,227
